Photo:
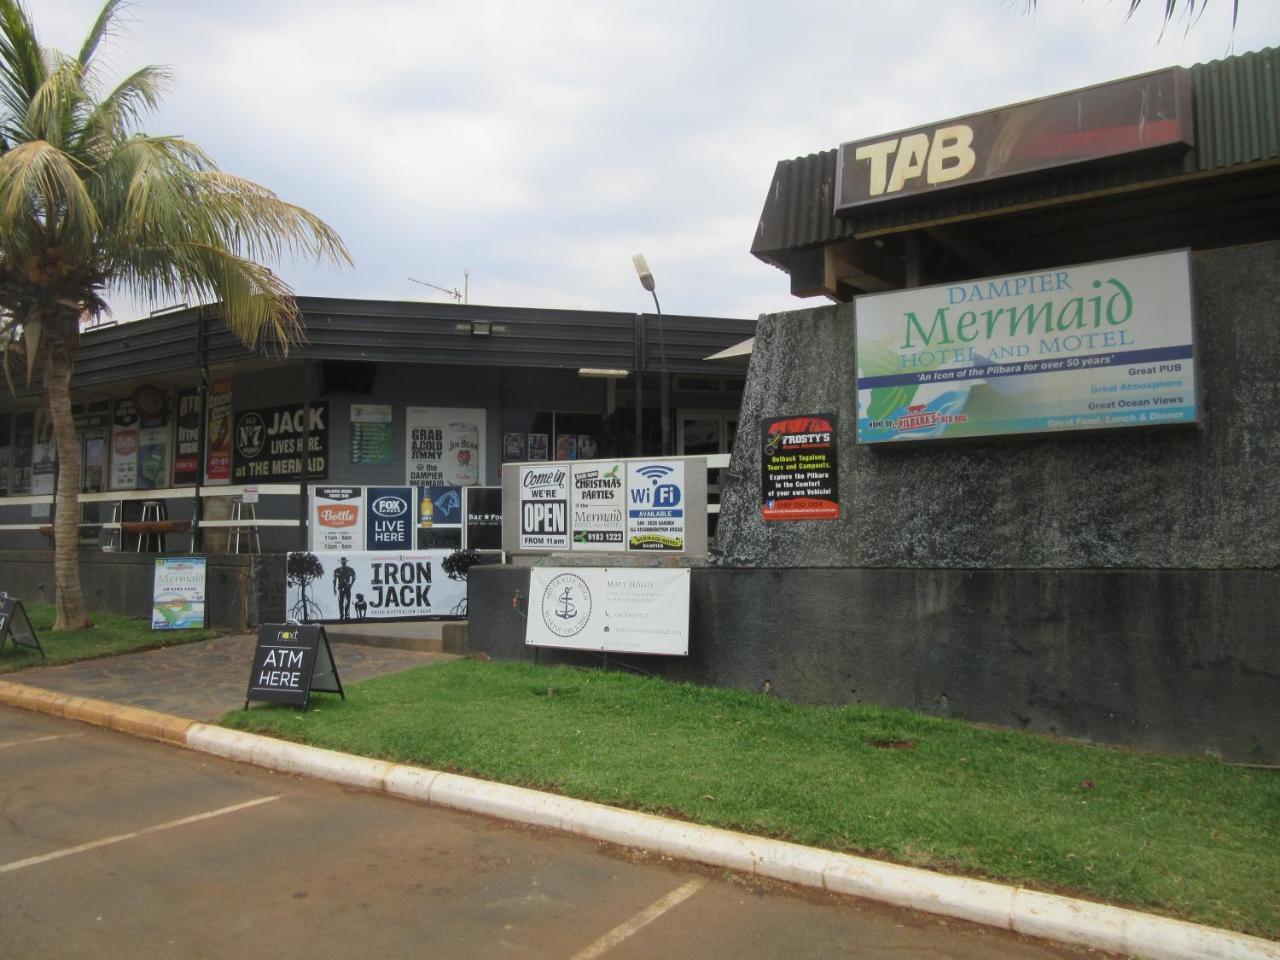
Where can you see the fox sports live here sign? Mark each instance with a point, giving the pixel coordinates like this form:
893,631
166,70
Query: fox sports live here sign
1087,347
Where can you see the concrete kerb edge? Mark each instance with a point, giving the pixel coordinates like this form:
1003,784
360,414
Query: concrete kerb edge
1048,916
139,721
1029,912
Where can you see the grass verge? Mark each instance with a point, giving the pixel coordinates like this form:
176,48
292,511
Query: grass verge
1191,838
111,633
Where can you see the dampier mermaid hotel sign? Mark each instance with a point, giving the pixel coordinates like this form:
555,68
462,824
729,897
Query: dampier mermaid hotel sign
1089,347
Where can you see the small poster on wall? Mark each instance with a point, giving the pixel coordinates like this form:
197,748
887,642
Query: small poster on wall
371,433
514,446
187,448
217,469
798,468
599,506
45,455
269,443
337,518
445,446
655,505
178,595
391,518
152,404
124,446
544,507
538,446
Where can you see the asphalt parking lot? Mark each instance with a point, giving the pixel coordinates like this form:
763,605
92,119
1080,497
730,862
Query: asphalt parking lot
115,847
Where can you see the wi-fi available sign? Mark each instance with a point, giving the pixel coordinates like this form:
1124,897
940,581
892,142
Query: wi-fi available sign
655,506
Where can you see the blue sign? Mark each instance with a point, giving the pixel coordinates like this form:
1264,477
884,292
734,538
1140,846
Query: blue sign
440,506
391,518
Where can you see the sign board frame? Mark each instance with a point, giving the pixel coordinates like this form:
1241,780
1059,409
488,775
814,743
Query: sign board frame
14,614
304,646
799,468
1102,345
622,610
181,583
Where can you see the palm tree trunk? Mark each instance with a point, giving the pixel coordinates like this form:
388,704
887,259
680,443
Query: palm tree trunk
66,521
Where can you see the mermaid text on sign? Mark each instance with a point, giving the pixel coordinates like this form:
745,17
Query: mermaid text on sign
1088,347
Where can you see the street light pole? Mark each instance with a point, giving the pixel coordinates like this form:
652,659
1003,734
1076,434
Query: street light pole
646,281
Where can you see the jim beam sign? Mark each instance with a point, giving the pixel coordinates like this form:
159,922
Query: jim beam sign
1134,115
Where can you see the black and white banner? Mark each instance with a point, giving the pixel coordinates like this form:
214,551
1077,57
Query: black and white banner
374,585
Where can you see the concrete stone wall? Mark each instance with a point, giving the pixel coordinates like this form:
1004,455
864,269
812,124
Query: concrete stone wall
1204,497
1173,660
122,583
1121,587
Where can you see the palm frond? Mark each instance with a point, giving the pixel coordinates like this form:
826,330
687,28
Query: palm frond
39,180
103,27
120,112
22,63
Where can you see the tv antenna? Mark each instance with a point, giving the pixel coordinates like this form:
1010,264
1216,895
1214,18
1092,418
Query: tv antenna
458,296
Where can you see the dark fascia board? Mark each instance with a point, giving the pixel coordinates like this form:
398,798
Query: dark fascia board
411,332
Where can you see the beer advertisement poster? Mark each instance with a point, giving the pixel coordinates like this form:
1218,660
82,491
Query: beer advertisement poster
445,446
655,505
337,518
217,465
798,477
187,448
346,586
599,506
269,443
544,507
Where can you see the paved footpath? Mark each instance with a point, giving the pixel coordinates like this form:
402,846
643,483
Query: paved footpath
199,681
116,847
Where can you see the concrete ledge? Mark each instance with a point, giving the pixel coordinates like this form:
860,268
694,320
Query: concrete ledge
138,721
1024,911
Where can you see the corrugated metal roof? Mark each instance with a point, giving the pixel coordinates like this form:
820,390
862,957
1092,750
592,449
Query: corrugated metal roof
1236,103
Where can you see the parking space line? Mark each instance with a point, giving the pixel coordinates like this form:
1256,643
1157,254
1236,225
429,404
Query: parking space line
105,841
52,736
642,919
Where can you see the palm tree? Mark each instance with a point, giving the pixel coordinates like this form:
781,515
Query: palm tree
88,203
1193,9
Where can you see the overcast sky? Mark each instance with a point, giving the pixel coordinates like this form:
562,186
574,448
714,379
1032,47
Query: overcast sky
541,144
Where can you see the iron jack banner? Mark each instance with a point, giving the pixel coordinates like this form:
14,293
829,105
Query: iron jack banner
374,585
1087,347
269,442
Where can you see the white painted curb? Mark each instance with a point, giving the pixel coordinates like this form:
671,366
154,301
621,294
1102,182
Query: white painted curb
1036,914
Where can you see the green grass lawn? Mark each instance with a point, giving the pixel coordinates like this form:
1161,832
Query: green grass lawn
112,633
1192,838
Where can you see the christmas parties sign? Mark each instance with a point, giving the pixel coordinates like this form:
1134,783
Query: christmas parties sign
599,505
1088,347
798,468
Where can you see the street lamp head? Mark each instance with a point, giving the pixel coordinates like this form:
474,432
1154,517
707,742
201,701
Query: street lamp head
642,268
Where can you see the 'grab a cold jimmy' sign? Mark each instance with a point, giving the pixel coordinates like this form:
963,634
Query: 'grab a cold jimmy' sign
1087,347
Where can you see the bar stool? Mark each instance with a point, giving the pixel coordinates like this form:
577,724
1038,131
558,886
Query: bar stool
241,511
152,512
115,537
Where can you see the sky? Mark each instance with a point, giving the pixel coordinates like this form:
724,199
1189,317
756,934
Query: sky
539,144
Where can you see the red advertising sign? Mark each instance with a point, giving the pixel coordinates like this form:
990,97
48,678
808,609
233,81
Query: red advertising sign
218,452
798,476
1134,115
